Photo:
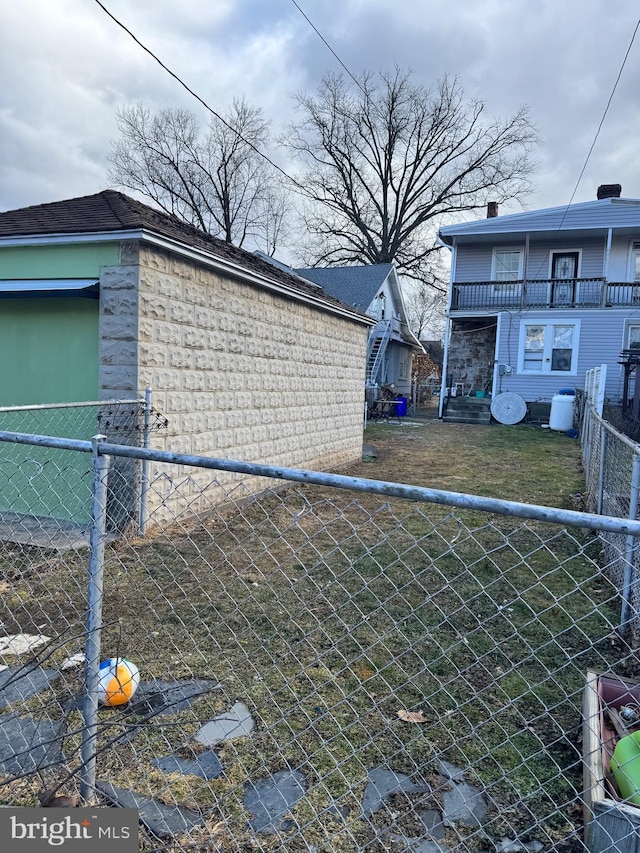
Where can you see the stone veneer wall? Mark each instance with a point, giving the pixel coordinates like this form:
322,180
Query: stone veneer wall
240,372
471,354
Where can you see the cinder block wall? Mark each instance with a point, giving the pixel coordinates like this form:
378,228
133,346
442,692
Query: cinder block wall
240,372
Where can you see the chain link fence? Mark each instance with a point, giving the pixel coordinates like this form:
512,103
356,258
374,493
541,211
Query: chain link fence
612,473
327,664
47,492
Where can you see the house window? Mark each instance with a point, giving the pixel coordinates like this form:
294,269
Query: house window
403,366
635,262
549,347
507,269
633,336
379,306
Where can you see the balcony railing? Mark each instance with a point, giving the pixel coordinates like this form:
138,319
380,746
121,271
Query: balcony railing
544,293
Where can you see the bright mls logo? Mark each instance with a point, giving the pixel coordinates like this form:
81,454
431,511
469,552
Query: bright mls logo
35,830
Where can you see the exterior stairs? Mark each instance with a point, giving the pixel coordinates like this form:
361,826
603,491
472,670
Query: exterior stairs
468,410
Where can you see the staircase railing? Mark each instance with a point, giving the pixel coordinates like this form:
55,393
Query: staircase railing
373,370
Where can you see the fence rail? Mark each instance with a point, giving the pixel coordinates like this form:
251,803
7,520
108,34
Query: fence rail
327,663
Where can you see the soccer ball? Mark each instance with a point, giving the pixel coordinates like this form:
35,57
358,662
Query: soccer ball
119,680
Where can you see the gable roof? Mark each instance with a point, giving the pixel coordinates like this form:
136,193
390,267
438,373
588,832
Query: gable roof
113,212
357,286
622,214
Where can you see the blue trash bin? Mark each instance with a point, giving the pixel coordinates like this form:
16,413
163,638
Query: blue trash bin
401,406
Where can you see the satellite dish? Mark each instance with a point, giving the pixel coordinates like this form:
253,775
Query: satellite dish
508,408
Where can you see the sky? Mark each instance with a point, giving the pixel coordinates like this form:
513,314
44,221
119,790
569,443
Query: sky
67,68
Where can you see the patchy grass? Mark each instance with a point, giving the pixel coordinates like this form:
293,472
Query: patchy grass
327,613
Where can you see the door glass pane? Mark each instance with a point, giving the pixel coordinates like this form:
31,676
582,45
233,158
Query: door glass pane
636,264
564,266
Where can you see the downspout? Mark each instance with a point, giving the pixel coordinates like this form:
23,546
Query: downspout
605,271
525,270
497,379
447,337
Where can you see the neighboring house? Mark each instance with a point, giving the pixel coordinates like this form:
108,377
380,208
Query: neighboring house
102,296
375,290
538,298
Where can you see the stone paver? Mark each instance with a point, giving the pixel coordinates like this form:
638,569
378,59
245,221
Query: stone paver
159,698
20,683
162,820
207,765
271,798
235,723
27,744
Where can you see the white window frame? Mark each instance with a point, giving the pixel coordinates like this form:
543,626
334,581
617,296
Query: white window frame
634,249
404,360
507,285
630,324
548,346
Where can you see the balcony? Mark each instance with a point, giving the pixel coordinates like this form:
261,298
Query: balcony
543,293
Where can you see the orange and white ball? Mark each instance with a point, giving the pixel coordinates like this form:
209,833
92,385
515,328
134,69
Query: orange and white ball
119,680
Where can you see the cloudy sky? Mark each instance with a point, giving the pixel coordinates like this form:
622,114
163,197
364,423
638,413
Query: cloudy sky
67,67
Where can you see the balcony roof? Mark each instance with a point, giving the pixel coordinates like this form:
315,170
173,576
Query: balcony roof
592,218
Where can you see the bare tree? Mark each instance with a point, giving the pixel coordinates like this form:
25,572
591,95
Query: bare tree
215,180
425,303
385,161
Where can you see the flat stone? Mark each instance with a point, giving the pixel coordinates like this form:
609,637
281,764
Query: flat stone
450,771
19,683
432,822
27,744
420,845
207,765
270,799
20,644
382,783
159,698
235,723
162,820
463,804
370,451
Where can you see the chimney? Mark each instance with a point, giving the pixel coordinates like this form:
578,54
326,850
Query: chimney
609,191
492,209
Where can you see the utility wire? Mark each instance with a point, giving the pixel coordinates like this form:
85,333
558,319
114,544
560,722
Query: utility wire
198,98
595,138
328,46
604,115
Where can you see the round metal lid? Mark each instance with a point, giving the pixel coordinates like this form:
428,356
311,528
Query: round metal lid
508,408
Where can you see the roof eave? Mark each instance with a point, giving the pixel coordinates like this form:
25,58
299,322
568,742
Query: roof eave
201,255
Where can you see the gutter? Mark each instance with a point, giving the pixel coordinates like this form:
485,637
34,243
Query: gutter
193,253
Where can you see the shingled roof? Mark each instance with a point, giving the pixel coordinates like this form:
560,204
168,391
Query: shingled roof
112,211
356,286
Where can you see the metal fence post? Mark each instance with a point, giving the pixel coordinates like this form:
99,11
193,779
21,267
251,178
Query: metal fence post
99,469
144,473
603,450
630,550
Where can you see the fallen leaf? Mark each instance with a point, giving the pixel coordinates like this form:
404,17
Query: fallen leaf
412,716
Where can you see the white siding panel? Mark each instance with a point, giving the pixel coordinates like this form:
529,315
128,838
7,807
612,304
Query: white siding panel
601,339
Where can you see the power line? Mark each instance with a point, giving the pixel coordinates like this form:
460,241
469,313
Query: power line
198,98
595,138
604,115
328,46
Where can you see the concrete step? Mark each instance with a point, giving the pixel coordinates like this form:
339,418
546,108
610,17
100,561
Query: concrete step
461,418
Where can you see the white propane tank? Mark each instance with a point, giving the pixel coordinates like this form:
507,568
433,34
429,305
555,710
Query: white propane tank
561,416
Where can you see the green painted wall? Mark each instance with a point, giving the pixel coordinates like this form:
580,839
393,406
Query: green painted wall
49,350
48,354
83,260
